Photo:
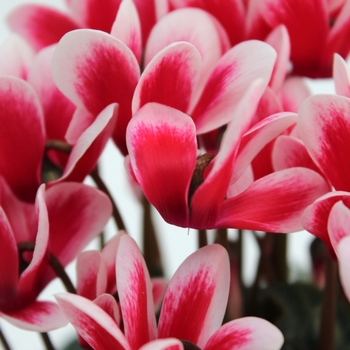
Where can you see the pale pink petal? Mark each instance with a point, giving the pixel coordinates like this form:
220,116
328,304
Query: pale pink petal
40,25
21,125
273,203
229,81
93,324
94,69
245,334
127,27
344,264
242,183
40,316
135,294
324,124
294,91
162,146
108,303
196,298
169,78
163,344
91,274
81,120
341,76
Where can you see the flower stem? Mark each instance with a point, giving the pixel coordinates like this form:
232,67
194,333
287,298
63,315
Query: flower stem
3,341
46,339
202,238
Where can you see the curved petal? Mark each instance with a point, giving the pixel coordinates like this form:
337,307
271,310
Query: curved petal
324,124
294,92
229,81
93,324
163,344
162,146
40,25
344,264
94,69
21,121
273,203
135,289
169,78
40,316
127,28
246,333
159,286
108,303
196,298
341,76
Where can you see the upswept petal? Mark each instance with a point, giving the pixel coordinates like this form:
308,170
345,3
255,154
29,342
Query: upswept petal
81,120
93,324
159,286
245,334
294,92
324,124
135,294
229,81
259,136
196,298
108,303
40,25
39,316
344,264
163,150
22,124
163,344
274,203
341,76
94,69
91,274
127,27
208,197
169,78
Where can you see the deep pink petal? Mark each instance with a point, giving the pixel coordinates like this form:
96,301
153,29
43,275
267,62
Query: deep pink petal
229,81
159,286
169,78
40,25
135,289
245,334
196,298
94,69
344,264
127,27
163,344
108,303
21,125
324,124
40,316
273,203
341,76
93,324
162,146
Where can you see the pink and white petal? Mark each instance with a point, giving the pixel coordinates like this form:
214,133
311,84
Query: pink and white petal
234,73
127,27
273,203
135,289
294,92
94,69
88,148
279,40
22,123
341,76
108,303
344,264
258,137
196,27
39,316
91,274
92,323
16,57
91,14
163,344
246,333
40,25
207,198
169,78
196,298
8,263
324,124
246,179
159,286
162,146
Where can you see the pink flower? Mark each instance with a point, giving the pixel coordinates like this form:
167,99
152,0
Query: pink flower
62,221
192,311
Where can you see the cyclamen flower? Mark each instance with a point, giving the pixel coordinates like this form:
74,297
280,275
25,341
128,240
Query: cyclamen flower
62,221
192,311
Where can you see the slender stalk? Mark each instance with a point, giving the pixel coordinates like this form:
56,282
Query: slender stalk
3,341
101,185
102,240
240,258
46,339
327,325
279,257
202,238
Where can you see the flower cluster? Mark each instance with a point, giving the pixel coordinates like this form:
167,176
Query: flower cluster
207,103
